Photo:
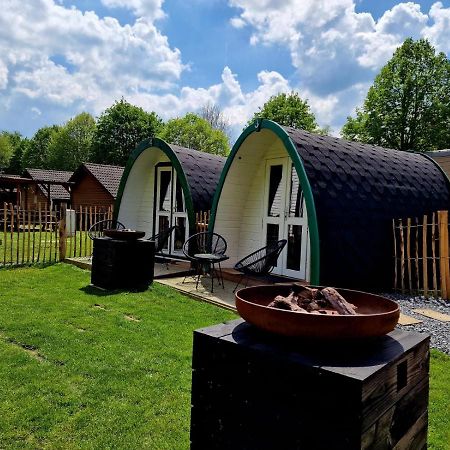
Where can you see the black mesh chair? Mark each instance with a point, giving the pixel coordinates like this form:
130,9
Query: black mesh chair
161,240
98,228
206,249
261,262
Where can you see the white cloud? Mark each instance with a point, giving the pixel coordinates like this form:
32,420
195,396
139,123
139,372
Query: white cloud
141,8
439,32
336,50
63,56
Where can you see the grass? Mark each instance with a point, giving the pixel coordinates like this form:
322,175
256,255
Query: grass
77,375
80,368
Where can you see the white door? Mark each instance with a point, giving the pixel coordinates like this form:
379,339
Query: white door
171,209
285,217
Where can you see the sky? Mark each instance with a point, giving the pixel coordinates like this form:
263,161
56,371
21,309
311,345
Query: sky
62,57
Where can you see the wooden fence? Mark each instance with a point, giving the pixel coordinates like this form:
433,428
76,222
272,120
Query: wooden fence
421,255
202,221
43,236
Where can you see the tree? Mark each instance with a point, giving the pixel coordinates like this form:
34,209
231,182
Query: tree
215,117
6,150
194,132
72,144
119,129
289,110
408,106
36,154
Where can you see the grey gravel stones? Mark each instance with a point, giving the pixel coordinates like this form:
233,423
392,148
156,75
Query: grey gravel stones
439,331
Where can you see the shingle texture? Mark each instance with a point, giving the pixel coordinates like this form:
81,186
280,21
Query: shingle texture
108,176
358,189
56,192
202,171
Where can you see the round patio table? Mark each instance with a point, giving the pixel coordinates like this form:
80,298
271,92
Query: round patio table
212,259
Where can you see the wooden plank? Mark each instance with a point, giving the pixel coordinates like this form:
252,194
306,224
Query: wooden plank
407,320
395,253
425,255
408,251
433,314
402,256
433,252
51,231
443,253
56,231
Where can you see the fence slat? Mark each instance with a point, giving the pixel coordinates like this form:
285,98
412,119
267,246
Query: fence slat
408,251
5,228
443,253
425,255
395,254
402,256
40,231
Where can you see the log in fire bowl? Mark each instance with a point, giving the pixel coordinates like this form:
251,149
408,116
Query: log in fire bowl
124,235
376,315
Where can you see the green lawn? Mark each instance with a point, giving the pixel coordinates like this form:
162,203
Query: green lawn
77,375
84,369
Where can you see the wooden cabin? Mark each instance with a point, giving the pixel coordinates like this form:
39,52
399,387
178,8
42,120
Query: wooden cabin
332,199
96,185
165,185
41,194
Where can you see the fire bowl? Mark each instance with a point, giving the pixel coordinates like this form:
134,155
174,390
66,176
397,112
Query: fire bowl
376,316
124,235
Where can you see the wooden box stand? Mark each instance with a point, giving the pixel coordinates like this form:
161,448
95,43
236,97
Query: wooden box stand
253,390
119,264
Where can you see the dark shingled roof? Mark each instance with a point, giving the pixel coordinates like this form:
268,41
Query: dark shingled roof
108,176
357,190
202,172
56,192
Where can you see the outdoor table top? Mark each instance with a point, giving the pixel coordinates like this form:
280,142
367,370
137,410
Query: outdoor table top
211,257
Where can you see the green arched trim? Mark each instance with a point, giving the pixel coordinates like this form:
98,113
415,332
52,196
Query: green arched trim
167,150
304,181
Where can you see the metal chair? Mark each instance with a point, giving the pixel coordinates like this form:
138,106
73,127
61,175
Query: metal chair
161,239
206,248
98,228
260,262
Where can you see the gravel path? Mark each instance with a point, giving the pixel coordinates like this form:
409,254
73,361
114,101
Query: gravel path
439,331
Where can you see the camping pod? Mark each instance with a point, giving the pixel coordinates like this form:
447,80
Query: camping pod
165,185
333,200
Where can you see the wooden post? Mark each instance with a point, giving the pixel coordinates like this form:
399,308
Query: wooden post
29,237
416,259
56,230
51,231
85,231
402,256
443,253
433,251
11,228
408,251
24,219
40,230
5,228
45,231
395,254
425,255
18,236
34,234
81,228
62,233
